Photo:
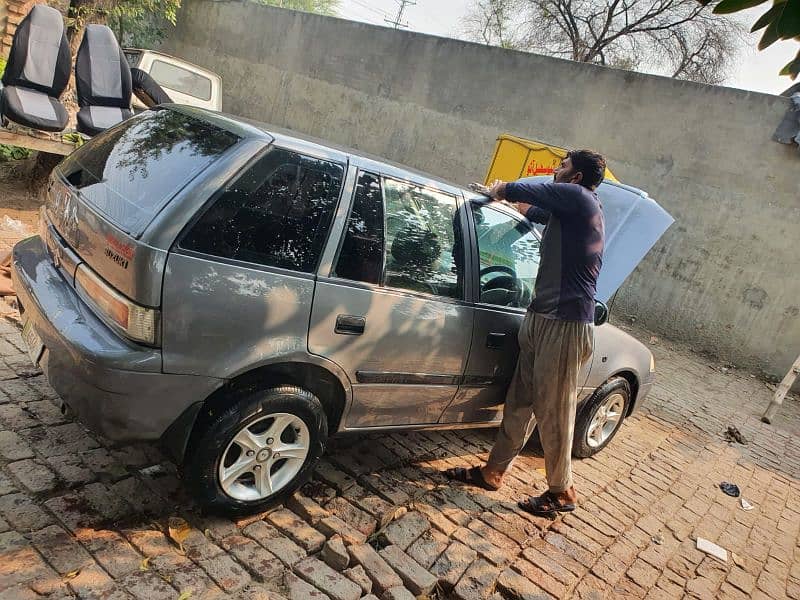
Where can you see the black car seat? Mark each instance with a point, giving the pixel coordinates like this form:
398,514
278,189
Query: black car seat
37,72
103,81
147,90
414,253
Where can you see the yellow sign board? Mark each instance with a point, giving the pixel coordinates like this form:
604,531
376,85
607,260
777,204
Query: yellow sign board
516,157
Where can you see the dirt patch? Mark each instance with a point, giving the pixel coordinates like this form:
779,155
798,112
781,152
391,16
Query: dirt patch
17,171
19,215
17,204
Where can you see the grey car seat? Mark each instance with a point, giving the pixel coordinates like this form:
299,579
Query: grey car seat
37,72
103,81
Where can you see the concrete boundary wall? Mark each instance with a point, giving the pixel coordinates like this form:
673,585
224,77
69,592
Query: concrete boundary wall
725,277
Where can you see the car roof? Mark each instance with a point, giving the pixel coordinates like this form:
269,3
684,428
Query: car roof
250,128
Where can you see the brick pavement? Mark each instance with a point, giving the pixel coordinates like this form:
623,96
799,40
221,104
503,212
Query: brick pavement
80,516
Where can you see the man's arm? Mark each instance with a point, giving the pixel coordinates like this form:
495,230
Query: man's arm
556,198
534,214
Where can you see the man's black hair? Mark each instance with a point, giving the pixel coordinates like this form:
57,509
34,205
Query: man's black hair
591,164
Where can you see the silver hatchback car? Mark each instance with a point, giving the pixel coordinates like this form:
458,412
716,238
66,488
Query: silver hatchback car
241,294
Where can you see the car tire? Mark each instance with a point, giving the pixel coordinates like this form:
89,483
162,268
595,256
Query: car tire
237,440
594,429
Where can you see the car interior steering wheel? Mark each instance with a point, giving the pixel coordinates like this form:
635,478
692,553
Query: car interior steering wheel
505,289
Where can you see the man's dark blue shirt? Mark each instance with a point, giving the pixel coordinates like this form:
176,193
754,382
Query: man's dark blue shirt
571,249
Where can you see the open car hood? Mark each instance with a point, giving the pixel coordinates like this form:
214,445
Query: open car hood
634,223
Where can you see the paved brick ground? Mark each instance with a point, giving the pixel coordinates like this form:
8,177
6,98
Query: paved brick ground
82,517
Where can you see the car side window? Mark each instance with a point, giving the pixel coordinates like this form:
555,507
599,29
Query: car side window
421,238
403,236
276,214
361,255
509,257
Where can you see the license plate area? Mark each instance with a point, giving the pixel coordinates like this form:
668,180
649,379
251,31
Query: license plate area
33,342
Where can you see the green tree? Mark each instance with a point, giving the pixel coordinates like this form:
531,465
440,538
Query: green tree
142,22
780,22
322,7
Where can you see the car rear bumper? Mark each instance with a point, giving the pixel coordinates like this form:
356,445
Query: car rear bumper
115,387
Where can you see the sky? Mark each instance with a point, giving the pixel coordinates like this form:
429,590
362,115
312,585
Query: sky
757,71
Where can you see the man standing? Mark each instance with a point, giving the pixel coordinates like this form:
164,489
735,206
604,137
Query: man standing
556,337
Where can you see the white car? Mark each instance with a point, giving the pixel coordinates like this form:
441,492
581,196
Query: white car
184,82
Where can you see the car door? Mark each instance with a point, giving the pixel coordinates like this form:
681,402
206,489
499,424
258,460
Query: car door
240,280
505,248
391,311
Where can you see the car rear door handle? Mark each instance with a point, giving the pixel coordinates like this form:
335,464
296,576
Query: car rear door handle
350,325
495,340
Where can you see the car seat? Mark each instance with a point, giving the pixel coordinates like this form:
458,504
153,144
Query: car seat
414,253
37,71
103,81
147,90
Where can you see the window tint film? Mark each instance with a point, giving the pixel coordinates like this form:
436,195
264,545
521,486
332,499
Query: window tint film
361,256
276,214
509,258
130,172
181,80
421,234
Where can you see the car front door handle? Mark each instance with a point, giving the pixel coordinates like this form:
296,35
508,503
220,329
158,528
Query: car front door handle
495,340
350,324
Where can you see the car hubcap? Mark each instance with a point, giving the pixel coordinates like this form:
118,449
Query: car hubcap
264,456
605,420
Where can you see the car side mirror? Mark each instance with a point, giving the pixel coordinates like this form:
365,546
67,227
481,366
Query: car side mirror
600,312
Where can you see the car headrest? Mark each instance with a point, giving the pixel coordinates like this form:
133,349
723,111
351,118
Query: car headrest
102,74
40,58
416,247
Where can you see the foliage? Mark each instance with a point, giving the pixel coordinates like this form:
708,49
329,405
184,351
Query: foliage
135,22
322,7
143,23
678,37
8,153
780,22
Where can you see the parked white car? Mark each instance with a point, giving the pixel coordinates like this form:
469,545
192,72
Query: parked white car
185,82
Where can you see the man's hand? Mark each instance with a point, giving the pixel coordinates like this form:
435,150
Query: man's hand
521,207
479,188
496,191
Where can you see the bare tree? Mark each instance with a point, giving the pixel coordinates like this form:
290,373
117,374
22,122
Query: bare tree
680,38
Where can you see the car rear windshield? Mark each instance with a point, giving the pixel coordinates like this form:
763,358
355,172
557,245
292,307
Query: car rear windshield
181,80
129,173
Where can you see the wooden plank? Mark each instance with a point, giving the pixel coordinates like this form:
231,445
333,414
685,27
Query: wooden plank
31,142
781,392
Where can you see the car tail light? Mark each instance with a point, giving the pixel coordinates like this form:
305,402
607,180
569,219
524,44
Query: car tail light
136,322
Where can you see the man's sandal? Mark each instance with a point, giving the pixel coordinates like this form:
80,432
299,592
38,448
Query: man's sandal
471,476
546,505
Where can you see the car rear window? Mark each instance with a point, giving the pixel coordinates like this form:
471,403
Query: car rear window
129,173
276,214
181,80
